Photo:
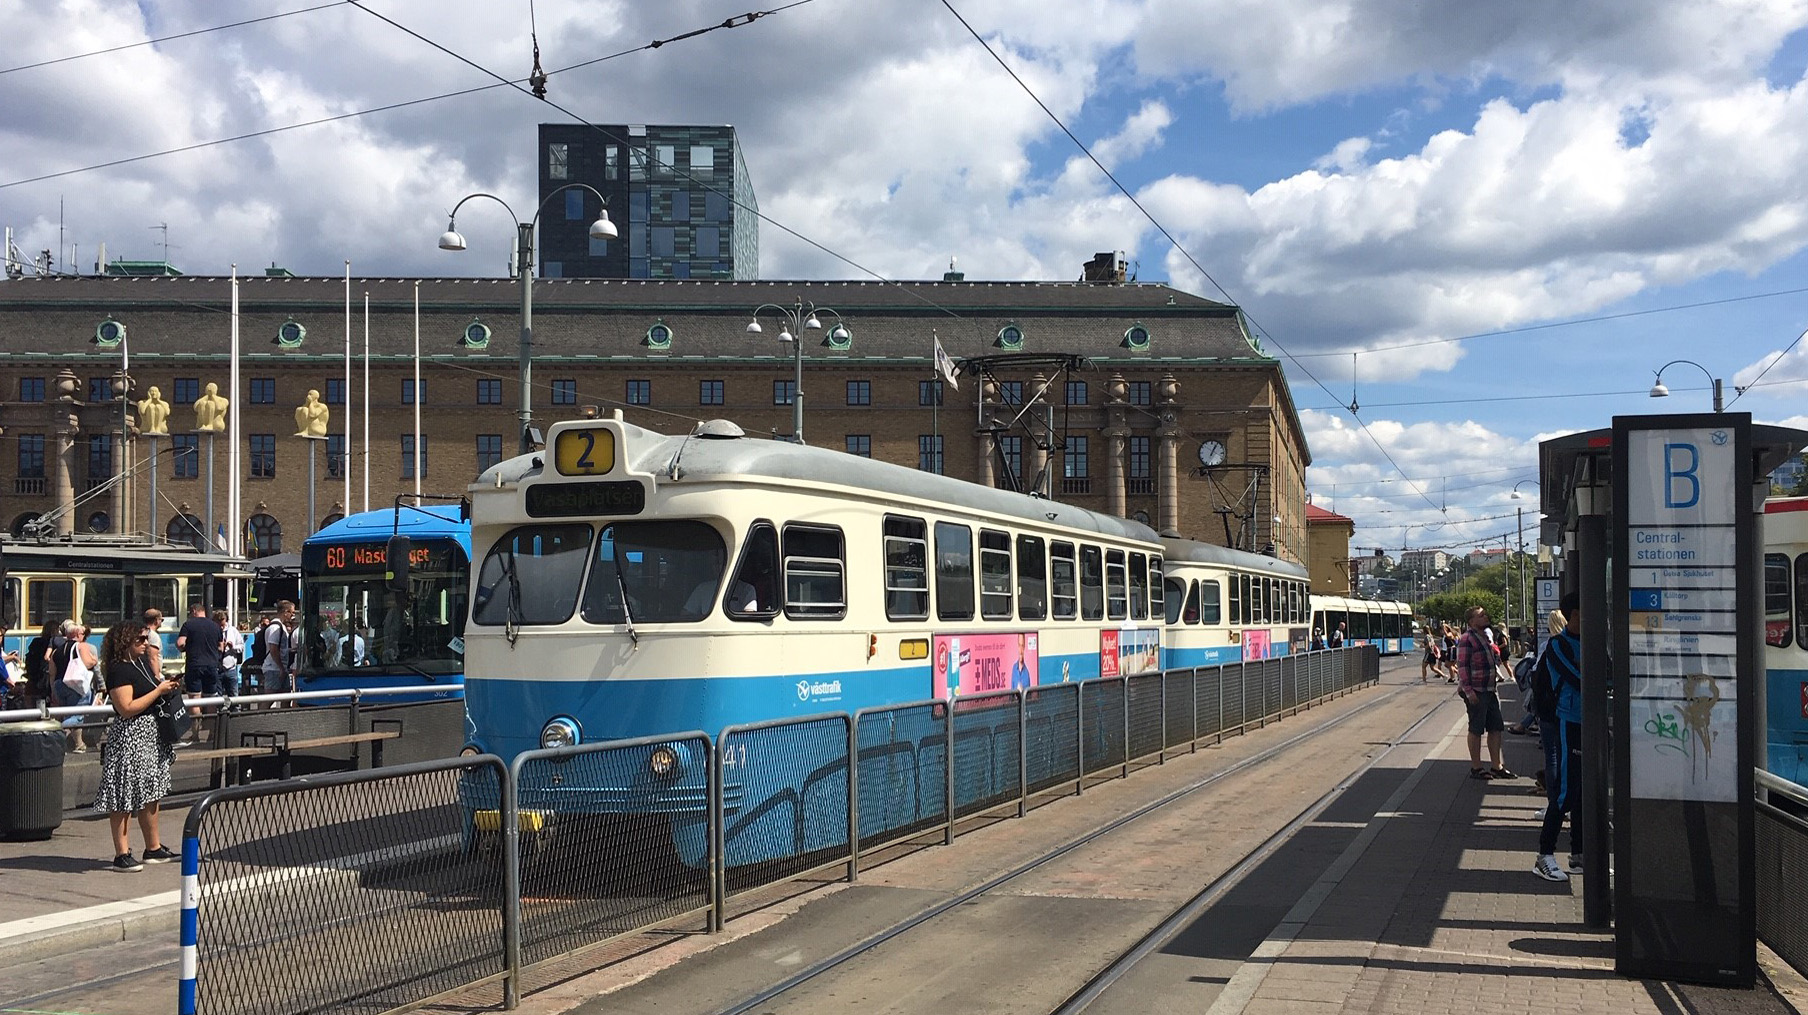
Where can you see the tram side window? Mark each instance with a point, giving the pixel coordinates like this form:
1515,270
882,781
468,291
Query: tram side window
1032,578
1294,597
1063,586
1236,599
1117,597
994,575
1092,583
9,606
1139,587
103,601
52,599
1157,588
815,572
1209,610
1183,601
531,576
906,568
753,595
1779,629
1801,598
158,594
953,571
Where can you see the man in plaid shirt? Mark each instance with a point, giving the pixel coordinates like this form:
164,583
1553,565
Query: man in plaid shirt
1477,669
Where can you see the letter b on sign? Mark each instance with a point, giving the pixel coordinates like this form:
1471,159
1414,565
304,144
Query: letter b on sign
1682,487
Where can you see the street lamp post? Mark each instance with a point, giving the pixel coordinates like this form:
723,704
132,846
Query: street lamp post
601,229
800,317
1527,617
1659,391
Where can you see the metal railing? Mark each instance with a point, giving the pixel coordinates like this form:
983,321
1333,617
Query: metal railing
452,873
1781,861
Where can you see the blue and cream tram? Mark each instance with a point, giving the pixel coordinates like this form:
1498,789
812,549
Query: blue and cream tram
1383,623
1786,636
1226,605
360,633
634,583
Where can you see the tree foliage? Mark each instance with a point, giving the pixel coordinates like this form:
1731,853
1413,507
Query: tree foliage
1452,606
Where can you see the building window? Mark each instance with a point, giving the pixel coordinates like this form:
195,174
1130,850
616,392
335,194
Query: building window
489,450
263,456
664,240
564,391
1010,392
489,391
335,391
185,530
860,444
681,206
929,392
552,269
186,390
1076,392
599,246
574,205
784,392
929,453
31,389
1010,337
266,535
1140,480
186,449
409,446
611,162
1010,448
860,392
263,391
410,394
1142,392
31,456
637,211
640,392
715,207
707,242
703,160
711,393
100,389
558,161
100,455
1076,467
335,456
637,163
664,155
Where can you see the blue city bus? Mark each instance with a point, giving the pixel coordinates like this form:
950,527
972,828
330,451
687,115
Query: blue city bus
357,632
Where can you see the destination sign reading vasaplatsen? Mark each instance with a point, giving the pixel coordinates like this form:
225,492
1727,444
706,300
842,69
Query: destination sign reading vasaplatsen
581,500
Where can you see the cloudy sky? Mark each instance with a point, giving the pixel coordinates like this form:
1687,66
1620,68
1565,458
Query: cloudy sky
1510,213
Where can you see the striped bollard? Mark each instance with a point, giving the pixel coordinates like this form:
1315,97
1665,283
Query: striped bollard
191,912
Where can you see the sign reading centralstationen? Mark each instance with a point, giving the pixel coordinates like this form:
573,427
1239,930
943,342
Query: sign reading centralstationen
1682,564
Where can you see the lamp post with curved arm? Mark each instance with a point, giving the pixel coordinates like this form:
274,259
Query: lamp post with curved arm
1528,617
601,229
1659,391
793,322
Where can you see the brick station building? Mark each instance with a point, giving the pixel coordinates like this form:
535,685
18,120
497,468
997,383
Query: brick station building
1168,380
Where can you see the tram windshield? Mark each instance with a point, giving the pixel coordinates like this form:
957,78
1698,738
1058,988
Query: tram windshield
671,573
350,619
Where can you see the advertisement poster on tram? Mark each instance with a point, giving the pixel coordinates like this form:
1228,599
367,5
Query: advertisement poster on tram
1129,651
982,663
1256,644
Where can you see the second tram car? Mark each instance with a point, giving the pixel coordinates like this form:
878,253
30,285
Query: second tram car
358,633
1786,636
1382,623
1226,605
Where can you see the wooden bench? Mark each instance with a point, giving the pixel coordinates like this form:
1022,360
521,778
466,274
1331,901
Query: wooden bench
233,774
279,744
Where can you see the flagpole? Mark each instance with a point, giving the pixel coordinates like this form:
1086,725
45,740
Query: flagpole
366,403
935,396
236,496
417,389
345,456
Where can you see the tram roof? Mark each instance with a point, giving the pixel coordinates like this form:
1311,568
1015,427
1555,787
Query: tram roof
118,556
713,457
1195,552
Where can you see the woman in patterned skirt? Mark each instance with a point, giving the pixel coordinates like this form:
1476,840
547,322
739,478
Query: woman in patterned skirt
135,763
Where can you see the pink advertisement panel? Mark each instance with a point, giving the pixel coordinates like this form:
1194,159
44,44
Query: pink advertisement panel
978,663
1129,651
1256,644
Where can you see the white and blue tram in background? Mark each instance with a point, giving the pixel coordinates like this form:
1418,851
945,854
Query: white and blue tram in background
634,584
1383,623
1786,636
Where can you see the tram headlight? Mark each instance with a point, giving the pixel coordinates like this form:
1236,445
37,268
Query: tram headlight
560,732
469,751
663,762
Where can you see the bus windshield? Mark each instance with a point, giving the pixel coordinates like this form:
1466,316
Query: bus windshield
350,619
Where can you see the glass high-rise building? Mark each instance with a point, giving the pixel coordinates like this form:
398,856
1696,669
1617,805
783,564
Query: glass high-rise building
679,196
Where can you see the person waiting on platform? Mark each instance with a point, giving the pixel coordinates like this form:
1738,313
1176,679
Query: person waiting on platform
1560,666
135,767
1478,669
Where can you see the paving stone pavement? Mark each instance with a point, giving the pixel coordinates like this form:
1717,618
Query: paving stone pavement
1439,912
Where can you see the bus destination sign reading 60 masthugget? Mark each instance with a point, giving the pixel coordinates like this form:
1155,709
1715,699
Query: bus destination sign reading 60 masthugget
581,500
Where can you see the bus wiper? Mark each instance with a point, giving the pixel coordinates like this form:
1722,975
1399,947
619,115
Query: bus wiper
627,613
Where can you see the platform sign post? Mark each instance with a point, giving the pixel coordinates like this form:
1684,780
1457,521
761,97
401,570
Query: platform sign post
1685,611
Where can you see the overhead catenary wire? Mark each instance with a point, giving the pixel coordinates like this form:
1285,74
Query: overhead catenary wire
169,38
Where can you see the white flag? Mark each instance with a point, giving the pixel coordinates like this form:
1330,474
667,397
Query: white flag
944,364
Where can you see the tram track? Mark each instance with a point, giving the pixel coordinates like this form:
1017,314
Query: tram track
1177,919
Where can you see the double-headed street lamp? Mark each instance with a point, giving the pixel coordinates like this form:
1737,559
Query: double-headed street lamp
1659,391
601,229
793,322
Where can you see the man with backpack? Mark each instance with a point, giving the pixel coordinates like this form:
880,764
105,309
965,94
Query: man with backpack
1557,697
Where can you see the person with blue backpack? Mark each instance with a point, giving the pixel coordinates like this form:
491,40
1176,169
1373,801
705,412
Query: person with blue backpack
1557,697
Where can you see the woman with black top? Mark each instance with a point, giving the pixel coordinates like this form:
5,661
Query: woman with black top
135,764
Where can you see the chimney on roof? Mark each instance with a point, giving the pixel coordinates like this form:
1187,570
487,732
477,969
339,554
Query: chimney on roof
1106,266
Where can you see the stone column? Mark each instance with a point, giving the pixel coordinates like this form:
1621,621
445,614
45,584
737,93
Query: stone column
62,455
1117,439
1167,476
1035,456
988,391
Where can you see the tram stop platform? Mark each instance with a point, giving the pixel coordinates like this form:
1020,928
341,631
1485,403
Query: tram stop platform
1424,917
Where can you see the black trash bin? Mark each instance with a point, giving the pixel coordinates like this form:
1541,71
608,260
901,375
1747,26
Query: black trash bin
31,778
